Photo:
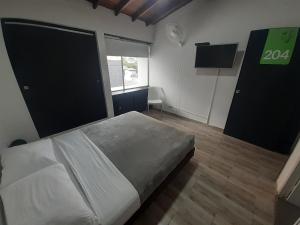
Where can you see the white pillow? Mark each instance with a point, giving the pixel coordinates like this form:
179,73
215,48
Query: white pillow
46,197
20,161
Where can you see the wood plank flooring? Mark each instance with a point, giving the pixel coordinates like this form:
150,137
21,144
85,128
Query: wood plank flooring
228,182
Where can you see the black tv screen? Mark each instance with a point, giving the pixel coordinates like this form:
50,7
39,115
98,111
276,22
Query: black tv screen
216,56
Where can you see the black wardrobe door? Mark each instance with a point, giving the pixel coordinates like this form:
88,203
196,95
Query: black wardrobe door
265,107
59,74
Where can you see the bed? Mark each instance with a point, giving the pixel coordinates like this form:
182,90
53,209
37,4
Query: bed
118,164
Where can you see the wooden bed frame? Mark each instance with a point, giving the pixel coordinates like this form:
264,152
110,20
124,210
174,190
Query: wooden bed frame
169,178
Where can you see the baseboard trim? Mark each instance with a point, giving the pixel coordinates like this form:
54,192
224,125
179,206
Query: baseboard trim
186,114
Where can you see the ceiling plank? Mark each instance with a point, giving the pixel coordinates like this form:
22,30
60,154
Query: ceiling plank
167,10
120,6
95,3
144,8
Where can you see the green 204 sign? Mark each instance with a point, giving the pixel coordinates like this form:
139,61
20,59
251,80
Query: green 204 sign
279,46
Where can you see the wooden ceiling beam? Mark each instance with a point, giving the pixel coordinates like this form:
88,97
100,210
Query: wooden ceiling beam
120,6
143,9
165,11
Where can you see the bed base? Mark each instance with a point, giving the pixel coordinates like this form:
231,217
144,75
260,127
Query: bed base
169,178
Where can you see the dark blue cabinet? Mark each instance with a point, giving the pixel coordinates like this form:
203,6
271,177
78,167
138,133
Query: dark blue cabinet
132,100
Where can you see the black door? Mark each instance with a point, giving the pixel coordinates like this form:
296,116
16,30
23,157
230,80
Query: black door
265,108
58,72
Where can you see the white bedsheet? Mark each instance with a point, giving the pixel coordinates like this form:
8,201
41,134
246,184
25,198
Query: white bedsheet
111,196
45,197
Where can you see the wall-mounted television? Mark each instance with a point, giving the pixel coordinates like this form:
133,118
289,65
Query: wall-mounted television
215,56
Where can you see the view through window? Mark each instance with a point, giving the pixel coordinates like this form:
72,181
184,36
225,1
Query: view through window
127,72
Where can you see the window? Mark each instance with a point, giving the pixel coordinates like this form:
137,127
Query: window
127,63
115,72
127,72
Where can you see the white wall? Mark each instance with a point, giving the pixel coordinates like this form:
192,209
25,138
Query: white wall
15,120
289,168
189,91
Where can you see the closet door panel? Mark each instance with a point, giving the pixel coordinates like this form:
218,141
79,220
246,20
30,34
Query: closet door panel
58,72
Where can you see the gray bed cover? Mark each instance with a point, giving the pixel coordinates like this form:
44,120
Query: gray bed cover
145,150
2,215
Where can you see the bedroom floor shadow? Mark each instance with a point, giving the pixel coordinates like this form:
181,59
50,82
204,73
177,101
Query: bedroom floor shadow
156,212
227,182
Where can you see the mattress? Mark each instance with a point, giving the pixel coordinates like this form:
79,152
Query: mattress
144,150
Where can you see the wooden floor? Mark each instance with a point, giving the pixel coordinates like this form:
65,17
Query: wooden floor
228,182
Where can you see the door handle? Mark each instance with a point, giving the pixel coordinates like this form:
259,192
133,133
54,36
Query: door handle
26,87
237,91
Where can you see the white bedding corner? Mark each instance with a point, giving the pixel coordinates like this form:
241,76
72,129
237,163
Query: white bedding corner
20,161
111,196
45,197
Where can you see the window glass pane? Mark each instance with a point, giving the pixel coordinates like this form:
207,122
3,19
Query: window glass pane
135,72
115,72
